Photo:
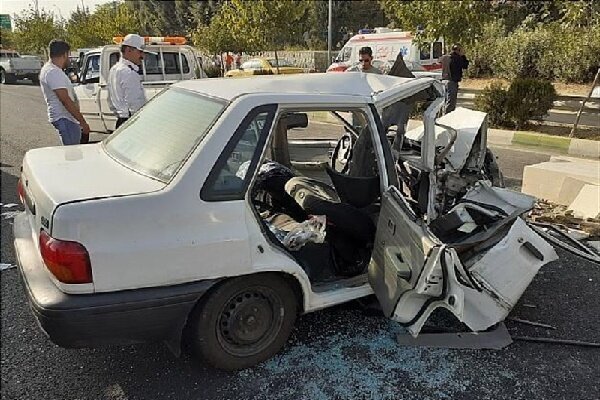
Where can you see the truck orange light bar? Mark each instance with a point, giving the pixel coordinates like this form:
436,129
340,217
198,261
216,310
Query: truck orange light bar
155,40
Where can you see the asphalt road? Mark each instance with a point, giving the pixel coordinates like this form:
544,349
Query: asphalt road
346,352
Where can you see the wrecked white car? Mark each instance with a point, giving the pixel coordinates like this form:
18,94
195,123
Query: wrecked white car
219,221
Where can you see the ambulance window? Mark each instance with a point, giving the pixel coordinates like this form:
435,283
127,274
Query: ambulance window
114,58
344,54
426,52
437,49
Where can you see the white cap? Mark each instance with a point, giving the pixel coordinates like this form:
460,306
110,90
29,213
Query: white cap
136,41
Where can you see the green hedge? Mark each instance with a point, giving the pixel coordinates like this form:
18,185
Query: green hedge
546,51
524,100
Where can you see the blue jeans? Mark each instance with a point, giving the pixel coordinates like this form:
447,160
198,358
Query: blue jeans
69,131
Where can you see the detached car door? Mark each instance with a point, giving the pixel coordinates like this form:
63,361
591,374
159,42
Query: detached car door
478,277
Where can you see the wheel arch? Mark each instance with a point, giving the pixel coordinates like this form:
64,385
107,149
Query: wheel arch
178,339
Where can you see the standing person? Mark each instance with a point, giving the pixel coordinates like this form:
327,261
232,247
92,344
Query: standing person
228,61
125,91
452,71
63,109
238,60
365,58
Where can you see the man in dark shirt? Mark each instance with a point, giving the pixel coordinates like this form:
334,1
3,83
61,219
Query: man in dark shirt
452,71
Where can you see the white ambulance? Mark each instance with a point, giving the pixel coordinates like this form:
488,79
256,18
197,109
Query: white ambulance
386,44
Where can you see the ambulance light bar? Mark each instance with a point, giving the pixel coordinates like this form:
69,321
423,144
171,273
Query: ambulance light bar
173,40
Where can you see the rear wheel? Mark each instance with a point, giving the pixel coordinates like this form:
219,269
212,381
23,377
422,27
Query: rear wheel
6,79
243,322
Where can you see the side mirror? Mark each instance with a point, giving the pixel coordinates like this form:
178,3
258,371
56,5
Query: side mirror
74,77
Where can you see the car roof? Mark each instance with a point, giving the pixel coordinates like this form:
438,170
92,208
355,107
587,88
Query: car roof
342,83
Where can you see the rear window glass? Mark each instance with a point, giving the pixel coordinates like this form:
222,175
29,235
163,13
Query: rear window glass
155,145
154,66
437,49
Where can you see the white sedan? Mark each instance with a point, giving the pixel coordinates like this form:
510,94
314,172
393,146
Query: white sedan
200,216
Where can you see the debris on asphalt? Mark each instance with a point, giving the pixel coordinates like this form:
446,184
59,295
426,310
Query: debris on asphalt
578,228
4,266
9,205
529,305
532,323
556,341
10,214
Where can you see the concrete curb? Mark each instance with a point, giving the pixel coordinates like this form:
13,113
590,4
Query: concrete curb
564,145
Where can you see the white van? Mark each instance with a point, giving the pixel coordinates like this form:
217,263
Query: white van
386,44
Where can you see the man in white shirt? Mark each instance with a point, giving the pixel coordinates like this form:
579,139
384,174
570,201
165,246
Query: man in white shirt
63,109
125,90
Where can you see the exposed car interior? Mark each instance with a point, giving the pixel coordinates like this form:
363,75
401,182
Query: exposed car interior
343,186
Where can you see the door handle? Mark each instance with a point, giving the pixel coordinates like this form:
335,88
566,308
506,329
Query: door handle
391,226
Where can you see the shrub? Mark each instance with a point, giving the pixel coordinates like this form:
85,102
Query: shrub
529,99
544,51
483,53
212,71
525,99
492,100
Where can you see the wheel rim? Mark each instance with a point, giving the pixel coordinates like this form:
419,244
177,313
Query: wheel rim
250,321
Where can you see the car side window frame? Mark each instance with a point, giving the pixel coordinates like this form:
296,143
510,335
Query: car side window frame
207,192
87,68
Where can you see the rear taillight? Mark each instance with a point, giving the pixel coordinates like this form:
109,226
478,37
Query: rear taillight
68,261
21,191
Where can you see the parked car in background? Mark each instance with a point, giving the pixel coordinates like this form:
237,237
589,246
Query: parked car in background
386,44
171,63
264,66
197,221
14,67
33,57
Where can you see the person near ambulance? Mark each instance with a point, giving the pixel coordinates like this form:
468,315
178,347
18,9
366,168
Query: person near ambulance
365,62
452,72
63,109
125,91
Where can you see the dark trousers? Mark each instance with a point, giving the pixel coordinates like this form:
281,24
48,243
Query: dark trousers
452,96
120,121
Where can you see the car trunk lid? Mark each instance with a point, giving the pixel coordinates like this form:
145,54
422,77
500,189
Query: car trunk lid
58,175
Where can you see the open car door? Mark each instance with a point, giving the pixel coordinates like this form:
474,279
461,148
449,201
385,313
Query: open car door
486,260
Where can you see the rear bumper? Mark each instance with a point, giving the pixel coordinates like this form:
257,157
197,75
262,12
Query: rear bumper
90,320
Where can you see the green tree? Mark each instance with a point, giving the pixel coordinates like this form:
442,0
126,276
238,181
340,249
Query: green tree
113,19
81,29
35,29
6,38
455,21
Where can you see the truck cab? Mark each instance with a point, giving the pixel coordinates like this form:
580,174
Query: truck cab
171,63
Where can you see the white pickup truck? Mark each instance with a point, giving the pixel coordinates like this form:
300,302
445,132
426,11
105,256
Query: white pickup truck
14,67
170,64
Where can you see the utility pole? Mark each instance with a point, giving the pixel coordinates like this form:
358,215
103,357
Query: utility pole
37,10
329,32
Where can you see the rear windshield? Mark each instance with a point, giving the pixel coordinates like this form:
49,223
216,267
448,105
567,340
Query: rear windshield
157,139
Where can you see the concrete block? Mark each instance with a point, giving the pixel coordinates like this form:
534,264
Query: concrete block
587,202
585,148
500,137
558,179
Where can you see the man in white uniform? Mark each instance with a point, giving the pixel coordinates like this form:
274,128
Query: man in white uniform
125,91
63,110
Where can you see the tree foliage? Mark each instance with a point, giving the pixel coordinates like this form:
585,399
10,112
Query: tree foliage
253,26
455,21
35,29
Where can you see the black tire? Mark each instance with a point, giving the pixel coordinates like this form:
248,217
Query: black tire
35,81
242,322
7,79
